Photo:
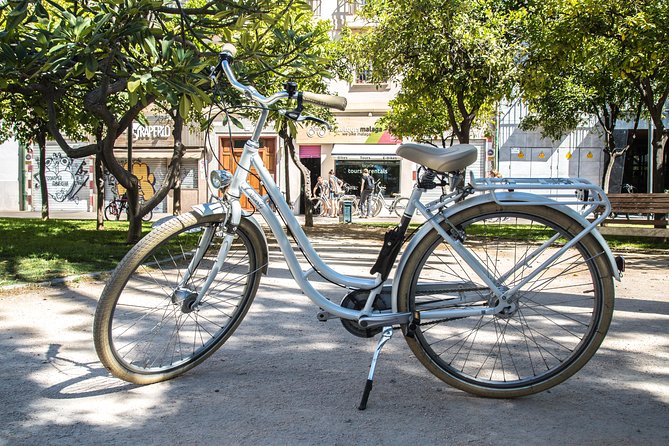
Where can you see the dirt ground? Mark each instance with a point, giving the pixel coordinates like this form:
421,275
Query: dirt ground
286,379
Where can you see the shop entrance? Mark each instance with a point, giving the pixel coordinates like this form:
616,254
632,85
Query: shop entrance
314,166
310,157
227,159
635,172
388,171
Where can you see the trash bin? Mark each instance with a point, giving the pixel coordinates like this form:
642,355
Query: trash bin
347,210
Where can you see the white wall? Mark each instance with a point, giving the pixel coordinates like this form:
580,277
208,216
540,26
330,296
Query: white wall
9,176
527,154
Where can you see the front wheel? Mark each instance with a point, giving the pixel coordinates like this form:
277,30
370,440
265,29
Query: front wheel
551,327
148,326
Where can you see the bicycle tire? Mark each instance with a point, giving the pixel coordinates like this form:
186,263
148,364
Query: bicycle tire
377,204
561,315
400,206
144,330
148,216
110,210
318,207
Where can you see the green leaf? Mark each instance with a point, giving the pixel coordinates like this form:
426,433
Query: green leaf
236,122
184,106
133,85
91,66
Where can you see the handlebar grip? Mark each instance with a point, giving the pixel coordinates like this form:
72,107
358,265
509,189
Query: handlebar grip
230,49
325,100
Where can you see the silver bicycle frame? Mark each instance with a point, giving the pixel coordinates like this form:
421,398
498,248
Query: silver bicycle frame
239,185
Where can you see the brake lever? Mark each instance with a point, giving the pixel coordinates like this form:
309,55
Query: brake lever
320,121
297,116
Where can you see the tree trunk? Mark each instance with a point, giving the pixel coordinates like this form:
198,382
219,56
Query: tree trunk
100,191
44,190
134,215
176,198
659,144
306,175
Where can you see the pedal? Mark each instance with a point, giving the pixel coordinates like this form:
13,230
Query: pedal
385,337
324,316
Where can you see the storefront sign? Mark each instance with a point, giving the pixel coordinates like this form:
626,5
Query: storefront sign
151,132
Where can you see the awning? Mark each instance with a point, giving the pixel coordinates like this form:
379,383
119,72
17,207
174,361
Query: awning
138,153
365,152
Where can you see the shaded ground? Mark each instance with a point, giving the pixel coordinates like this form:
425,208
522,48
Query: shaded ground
286,379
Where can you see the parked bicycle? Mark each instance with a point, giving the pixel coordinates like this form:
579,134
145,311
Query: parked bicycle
119,205
496,308
321,206
397,205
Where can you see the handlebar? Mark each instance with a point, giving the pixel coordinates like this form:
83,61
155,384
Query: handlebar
324,100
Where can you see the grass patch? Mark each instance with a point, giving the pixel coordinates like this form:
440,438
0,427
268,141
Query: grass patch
32,250
616,242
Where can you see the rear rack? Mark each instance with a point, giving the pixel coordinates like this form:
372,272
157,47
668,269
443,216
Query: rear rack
583,196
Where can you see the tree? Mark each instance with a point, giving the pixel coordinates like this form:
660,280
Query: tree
641,29
116,59
598,58
453,59
571,71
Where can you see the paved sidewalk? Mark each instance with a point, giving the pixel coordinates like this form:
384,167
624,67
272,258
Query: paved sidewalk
286,379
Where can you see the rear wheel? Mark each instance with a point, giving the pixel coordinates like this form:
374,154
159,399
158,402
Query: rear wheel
400,206
552,325
318,206
377,205
111,212
148,326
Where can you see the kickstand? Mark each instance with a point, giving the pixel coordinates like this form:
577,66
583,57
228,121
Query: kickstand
385,337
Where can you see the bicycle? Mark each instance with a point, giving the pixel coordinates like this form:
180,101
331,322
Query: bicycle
117,206
497,309
398,205
321,205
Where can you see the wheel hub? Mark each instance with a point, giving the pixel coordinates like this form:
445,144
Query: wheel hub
185,298
509,310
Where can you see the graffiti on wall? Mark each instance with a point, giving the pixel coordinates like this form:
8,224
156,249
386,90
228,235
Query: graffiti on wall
64,177
147,181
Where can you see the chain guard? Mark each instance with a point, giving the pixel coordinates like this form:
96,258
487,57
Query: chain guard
356,300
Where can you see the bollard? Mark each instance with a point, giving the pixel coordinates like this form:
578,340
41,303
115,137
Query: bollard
347,211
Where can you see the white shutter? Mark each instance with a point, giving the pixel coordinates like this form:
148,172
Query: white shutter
68,181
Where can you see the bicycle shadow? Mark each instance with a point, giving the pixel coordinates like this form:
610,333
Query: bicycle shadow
95,381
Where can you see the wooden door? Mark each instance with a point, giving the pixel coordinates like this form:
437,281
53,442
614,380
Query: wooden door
267,154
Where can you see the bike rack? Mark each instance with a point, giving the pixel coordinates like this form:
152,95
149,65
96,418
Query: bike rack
583,196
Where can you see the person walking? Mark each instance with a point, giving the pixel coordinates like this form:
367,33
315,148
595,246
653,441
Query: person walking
366,193
334,185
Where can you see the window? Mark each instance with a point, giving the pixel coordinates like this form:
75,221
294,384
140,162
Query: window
354,6
315,7
364,76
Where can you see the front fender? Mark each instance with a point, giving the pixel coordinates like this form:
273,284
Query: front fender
503,197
